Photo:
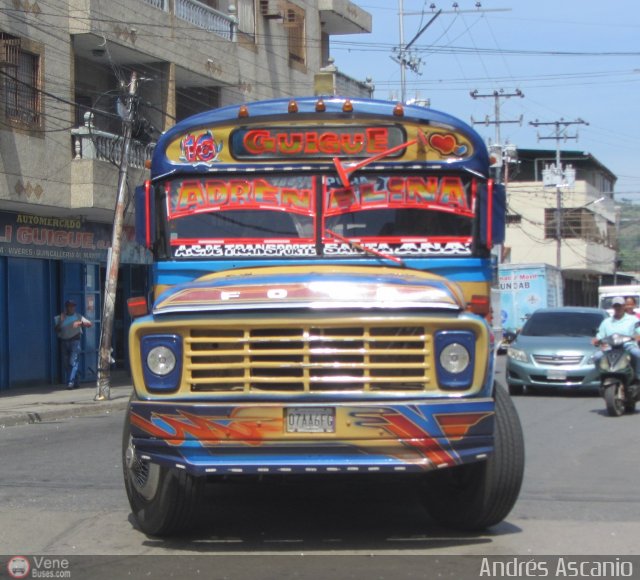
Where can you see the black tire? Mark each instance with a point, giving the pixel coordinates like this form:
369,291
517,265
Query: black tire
479,495
614,399
163,500
516,390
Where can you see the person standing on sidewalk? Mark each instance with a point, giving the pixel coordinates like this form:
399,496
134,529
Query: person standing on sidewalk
69,325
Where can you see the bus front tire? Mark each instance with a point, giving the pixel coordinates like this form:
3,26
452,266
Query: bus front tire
163,500
479,495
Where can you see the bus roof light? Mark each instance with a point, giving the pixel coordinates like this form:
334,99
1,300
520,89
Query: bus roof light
243,112
398,110
347,107
293,107
320,106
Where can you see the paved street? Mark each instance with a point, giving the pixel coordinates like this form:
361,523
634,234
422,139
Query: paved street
61,492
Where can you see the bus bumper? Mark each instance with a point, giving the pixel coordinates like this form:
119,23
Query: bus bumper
254,438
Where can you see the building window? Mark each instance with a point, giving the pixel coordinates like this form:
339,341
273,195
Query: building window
21,85
576,223
192,100
513,219
294,23
247,19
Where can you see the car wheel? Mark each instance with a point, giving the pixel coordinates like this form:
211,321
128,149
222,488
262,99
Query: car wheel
163,500
479,495
614,399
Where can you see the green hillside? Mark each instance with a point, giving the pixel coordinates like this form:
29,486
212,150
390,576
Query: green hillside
629,237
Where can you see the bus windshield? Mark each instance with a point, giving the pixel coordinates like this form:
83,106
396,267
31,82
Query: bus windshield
293,215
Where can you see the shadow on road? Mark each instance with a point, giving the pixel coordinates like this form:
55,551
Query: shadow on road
318,516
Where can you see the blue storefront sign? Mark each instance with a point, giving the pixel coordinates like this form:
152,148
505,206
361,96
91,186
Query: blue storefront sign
43,261
24,235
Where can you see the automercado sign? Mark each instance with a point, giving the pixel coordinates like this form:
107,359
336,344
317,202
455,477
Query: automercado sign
25,235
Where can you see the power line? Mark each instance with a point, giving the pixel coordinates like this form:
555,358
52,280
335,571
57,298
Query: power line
497,121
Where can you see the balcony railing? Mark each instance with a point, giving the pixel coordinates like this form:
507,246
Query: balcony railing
346,85
91,143
161,4
200,15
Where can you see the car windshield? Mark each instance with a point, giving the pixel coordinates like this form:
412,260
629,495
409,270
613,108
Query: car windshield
605,302
562,324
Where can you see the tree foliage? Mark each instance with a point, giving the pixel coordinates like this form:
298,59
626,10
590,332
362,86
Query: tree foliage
629,237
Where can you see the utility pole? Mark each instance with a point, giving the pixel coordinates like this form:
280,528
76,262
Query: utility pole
404,57
403,51
497,121
560,132
498,149
103,386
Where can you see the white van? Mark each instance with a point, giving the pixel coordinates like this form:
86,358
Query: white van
607,293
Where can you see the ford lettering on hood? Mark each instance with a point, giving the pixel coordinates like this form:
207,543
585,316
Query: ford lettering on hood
326,288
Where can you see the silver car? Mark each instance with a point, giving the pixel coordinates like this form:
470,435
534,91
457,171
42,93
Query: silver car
554,350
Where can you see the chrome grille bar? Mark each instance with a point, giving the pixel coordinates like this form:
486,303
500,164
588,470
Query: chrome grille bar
308,359
558,360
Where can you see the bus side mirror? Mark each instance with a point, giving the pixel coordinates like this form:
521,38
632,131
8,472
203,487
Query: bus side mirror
493,202
499,213
145,215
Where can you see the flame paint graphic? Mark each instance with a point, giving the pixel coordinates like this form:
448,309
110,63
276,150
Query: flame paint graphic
411,434
208,430
414,432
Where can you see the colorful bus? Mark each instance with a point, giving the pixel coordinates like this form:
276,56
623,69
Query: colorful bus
320,303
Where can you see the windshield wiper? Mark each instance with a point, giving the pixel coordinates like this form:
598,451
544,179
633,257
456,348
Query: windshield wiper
344,172
366,249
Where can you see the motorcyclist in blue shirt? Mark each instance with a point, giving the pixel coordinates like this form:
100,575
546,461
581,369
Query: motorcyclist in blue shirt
621,323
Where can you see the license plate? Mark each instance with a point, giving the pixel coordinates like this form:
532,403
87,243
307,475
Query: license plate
556,375
310,419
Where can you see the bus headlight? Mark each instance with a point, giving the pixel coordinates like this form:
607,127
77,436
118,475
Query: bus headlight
454,358
162,361
455,355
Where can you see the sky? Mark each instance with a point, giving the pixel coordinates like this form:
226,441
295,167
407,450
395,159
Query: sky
571,59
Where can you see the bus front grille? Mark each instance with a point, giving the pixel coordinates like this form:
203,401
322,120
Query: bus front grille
308,359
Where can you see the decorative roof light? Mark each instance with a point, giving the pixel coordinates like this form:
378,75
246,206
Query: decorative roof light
293,107
243,112
320,106
398,110
348,106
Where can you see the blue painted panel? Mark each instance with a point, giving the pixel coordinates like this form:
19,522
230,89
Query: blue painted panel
4,340
29,322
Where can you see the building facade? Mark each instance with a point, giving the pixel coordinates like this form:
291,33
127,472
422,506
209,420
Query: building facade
585,249
64,66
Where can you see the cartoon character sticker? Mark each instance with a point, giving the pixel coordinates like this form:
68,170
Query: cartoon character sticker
202,148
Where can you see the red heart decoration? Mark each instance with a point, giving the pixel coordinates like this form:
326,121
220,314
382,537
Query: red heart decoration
445,144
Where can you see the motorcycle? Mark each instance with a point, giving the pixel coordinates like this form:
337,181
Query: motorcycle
618,386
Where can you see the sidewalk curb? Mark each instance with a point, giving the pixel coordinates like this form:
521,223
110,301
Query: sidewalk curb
39,415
